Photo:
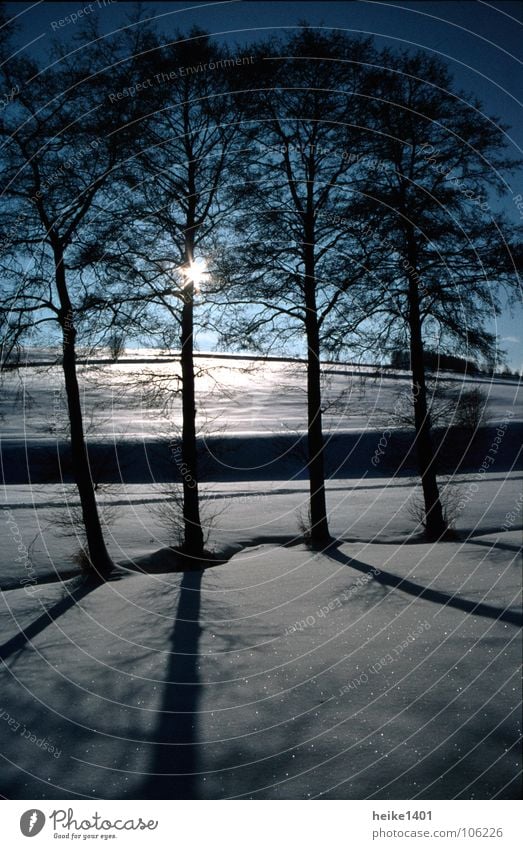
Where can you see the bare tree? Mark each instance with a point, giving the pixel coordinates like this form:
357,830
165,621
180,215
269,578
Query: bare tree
58,157
298,257
430,171
168,221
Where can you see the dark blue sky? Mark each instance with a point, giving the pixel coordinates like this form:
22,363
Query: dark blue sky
481,42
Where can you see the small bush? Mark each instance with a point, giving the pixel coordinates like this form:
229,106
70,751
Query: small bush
450,496
471,409
116,345
169,513
303,517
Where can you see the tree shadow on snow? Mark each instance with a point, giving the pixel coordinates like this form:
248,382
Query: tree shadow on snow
411,588
26,635
173,772
501,546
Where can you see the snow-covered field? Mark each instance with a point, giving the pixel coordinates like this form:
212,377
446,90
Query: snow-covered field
279,675
235,396
384,667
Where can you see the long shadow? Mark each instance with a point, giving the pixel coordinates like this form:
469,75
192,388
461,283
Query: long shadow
437,596
175,762
471,533
504,546
25,636
348,456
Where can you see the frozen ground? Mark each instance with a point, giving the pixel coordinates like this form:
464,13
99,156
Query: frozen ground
382,668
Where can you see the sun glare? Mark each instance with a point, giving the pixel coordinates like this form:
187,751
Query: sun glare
195,272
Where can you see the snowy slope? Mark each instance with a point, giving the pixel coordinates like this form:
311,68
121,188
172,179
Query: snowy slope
234,397
283,674
384,667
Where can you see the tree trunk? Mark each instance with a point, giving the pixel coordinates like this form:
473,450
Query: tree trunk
435,524
193,534
319,530
100,560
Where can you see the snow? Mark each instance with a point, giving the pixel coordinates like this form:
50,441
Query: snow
235,396
240,514
305,680
384,667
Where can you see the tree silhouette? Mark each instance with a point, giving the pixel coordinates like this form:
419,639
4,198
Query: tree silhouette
155,256
58,159
425,190
298,254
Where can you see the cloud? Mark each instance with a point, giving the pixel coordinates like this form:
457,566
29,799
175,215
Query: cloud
512,339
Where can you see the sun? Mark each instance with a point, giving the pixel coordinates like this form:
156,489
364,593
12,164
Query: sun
195,272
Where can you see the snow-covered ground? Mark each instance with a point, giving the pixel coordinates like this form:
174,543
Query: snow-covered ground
235,396
282,674
375,511
384,667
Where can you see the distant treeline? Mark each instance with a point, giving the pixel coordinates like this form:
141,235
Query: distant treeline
437,361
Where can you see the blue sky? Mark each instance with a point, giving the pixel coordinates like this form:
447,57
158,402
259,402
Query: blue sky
481,42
